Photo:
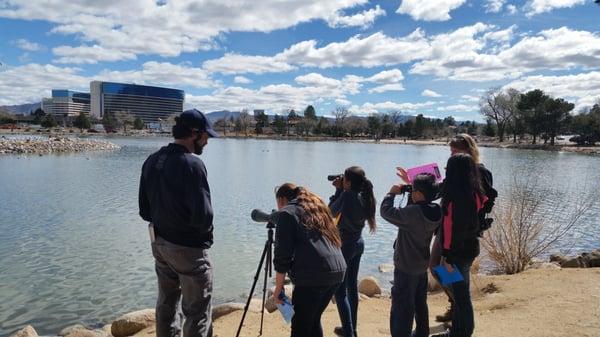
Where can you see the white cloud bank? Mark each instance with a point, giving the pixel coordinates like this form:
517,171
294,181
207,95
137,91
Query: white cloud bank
134,27
543,6
438,10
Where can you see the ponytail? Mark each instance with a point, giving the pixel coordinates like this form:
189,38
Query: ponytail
369,203
360,183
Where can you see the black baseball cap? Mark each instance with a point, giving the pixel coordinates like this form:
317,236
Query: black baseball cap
195,120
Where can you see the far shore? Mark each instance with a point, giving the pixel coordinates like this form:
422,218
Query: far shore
482,141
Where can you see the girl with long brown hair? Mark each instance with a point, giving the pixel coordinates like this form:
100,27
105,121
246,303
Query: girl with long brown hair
307,247
353,204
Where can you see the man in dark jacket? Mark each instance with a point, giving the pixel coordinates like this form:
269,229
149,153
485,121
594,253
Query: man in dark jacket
174,197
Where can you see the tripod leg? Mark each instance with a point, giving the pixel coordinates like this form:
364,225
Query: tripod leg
262,259
267,274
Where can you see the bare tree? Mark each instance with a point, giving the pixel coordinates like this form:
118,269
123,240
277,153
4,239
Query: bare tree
496,105
341,115
529,222
245,121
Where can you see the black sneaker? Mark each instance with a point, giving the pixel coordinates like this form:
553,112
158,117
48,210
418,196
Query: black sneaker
338,330
445,317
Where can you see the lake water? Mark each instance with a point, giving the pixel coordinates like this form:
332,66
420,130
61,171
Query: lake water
74,250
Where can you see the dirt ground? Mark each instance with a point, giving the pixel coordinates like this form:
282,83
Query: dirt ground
544,303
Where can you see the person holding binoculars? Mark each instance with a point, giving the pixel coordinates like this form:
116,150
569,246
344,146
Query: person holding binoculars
307,246
352,205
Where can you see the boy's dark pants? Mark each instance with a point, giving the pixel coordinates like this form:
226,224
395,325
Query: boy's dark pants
409,301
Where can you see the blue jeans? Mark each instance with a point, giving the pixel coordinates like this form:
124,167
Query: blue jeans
409,302
463,321
346,298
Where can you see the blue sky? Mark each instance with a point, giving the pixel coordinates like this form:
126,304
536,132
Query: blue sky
430,57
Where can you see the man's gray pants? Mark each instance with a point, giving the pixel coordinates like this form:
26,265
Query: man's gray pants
184,290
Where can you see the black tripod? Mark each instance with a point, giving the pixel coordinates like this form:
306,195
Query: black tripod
266,255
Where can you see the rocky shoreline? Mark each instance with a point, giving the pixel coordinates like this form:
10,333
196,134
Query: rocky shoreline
588,150
141,323
41,146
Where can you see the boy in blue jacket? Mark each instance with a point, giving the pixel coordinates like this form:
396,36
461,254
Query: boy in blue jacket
416,222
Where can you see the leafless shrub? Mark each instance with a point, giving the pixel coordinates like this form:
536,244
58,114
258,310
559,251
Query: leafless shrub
528,223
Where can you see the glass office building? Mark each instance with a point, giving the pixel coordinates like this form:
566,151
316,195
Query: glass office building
151,104
67,103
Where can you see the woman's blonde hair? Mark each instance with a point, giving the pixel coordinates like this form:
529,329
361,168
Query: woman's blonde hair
464,142
316,215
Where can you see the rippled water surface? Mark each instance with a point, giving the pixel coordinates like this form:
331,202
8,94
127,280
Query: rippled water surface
73,249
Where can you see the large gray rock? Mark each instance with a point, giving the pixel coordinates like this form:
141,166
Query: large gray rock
577,262
557,258
27,331
227,308
70,329
369,286
86,333
133,322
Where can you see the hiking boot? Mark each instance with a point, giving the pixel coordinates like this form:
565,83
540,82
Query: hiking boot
446,317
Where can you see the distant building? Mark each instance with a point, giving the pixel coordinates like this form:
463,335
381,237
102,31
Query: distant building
151,104
258,112
66,103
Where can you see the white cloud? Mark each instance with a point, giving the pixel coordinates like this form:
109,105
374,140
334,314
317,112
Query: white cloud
275,97
387,106
162,73
173,27
90,54
430,93
478,53
494,6
27,45
458,108
358,51
387,87
583,88
387,77
342,102
541,6
31,82
469,98
239,64
512,9
242,80
429,10
363,19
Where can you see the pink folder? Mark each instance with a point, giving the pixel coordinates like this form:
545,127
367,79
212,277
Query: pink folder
432,169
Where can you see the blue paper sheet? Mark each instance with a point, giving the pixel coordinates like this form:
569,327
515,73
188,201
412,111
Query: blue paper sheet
286,309
446,277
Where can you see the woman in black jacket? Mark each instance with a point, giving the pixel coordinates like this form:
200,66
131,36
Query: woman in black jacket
307,247
352,205
462,200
